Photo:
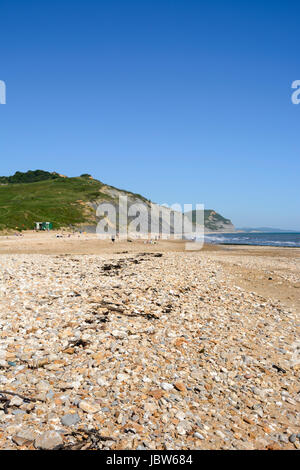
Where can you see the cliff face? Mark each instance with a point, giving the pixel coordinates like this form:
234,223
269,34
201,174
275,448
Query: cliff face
151,217
213,222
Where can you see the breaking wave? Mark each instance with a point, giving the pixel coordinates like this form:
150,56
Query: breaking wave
258,239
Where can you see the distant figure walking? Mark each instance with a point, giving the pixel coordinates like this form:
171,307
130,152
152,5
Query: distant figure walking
113,239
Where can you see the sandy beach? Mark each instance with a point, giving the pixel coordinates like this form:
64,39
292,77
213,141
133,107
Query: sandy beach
269,271
147,346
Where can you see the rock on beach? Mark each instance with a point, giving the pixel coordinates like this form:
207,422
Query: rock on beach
162,352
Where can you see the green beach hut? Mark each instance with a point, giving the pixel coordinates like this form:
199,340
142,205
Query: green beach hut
43,226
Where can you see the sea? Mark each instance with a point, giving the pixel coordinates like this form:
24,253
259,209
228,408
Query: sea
282,239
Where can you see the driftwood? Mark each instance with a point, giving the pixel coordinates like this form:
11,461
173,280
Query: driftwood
85,440
121,263
279,369
26,399
122,310
6,401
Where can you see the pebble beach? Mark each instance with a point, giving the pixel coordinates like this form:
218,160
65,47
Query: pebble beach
134,346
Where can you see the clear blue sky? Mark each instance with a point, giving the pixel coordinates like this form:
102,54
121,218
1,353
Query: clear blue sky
182,101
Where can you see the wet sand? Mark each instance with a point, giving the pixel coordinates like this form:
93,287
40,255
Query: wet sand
271,272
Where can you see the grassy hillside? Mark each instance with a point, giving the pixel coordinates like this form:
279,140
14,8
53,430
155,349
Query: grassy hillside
40,196
58,200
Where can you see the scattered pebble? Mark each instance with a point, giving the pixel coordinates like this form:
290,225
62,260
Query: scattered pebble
48,440
156,352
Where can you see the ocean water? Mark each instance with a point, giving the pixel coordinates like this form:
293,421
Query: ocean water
260,239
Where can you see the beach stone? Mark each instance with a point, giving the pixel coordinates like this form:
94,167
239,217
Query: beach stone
48,440
16,401
180,386
195,365
220,434
119,334
24,436
199,436
180,415
70,419
43,386
293,438
157,393
181,430
123,377
89,407
102,382
167,386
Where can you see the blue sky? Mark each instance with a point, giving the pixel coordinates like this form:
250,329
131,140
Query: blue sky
182,101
